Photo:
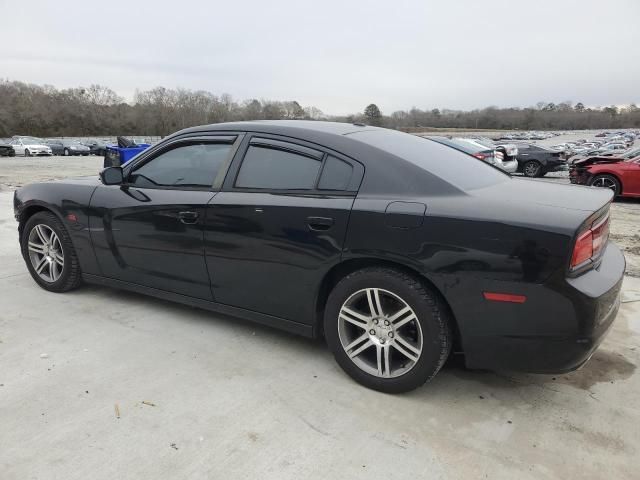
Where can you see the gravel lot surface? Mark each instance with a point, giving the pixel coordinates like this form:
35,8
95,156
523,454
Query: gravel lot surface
103,384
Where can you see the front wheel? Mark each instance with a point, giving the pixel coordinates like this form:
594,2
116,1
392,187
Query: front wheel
49,253
387,330
532,169
27,153
66,152
607,181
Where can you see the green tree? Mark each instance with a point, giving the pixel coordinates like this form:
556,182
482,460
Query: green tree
373,115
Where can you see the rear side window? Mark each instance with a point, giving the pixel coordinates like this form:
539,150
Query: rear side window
336,175
270,168
452,166
193,165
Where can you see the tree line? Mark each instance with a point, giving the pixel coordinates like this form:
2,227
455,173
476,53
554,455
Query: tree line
28,109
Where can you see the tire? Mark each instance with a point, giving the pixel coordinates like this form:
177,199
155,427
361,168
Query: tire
607,181
27,153
426,326
69,276
532,169
65,152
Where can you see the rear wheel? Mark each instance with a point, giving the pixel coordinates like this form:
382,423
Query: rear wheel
387,330
27,153
66,152
607,181
532,169
49,253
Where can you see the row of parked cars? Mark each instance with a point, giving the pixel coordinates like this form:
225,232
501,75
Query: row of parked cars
527,158
32,146
609,144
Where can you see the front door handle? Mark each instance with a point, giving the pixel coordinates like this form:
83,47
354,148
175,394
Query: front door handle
319,223
188,218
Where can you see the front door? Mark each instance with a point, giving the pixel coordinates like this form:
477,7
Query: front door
149,231
278,226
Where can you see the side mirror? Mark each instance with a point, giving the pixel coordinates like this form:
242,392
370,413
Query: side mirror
112,176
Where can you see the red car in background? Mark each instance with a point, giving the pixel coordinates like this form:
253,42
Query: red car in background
620,173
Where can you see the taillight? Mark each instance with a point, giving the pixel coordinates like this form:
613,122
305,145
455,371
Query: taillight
590,243
481,156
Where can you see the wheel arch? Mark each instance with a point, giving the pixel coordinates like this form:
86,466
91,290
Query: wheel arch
29,211
344,268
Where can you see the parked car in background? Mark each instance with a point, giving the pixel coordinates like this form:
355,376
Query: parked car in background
96,147
487,154
509,150
613,147
67,147
6,150
393,247
537,161
619,173
29,146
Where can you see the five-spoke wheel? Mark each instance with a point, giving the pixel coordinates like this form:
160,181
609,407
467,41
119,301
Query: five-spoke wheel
45,253
380,333
387,329
49,252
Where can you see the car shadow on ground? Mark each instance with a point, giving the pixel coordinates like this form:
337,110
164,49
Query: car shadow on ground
604,366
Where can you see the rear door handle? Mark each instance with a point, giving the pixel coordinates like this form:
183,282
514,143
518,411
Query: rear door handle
320,223
188,218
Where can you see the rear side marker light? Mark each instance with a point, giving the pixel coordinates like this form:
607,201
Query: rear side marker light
504,297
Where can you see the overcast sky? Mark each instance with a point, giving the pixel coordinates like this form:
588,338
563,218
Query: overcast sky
337,55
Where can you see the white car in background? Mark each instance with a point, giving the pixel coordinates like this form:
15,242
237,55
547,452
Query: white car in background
29,146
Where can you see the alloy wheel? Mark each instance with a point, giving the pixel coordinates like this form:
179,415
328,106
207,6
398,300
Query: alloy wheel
380,333
45,253
605,182
531,169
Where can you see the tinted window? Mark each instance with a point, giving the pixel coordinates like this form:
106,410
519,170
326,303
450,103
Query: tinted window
336,175
453,166
264,167
193,165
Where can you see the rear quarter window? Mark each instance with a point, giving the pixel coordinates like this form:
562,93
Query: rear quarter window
452,166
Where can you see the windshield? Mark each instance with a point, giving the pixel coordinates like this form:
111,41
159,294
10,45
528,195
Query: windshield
452,166
31,140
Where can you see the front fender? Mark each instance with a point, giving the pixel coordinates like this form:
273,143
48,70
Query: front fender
70,202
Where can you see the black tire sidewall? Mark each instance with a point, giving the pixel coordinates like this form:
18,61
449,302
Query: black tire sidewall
50,220
424,307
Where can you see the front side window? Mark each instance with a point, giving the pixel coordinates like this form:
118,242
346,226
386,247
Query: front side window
192,165
270,168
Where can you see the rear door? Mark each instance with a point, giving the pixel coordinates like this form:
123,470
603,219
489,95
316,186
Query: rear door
149,231
279,225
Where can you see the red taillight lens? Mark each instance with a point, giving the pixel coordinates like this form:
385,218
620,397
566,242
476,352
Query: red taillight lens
600,232
481,156
590,242
583,250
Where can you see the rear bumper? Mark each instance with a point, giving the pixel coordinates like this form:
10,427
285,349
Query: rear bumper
559,326
556,166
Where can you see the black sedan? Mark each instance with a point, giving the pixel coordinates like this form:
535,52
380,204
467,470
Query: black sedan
537,161
67,147
96,147
395,248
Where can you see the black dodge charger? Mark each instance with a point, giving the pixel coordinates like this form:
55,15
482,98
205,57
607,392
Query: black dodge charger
395,248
